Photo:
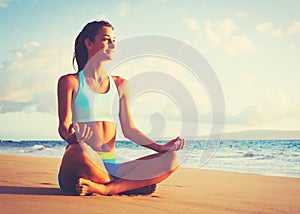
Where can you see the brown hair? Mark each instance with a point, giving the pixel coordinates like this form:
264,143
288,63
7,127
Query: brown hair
89,31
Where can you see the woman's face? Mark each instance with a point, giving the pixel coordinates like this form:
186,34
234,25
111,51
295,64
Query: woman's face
103,45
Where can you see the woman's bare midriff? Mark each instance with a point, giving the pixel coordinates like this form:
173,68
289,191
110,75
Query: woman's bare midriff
103,137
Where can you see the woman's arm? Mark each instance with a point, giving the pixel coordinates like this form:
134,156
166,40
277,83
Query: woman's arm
134,134
64,94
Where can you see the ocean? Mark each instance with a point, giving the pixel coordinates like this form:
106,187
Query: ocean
265,157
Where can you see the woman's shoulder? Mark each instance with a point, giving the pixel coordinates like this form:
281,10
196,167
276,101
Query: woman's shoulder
121,84
68,79
119,80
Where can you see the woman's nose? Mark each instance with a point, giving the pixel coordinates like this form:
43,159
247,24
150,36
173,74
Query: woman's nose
112,45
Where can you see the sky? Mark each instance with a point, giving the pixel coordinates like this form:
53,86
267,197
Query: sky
253,48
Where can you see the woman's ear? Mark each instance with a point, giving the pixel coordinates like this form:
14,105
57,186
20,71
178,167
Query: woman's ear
88,44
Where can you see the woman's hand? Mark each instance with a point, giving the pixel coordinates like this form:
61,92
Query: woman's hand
83,133
172,145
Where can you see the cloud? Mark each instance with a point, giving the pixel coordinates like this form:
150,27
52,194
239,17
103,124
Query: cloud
268,27
276,109
221,34
226,27
4,3
214,38
264,27
294,28
30,76
276,33
220,30
239,44
241,14
278,98
123,8
192,24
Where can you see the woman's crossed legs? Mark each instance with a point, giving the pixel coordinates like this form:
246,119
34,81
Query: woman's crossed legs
78,170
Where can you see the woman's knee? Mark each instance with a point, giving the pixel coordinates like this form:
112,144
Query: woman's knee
171,160
74,149
74,152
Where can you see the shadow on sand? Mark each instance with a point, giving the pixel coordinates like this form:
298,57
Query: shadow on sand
19,190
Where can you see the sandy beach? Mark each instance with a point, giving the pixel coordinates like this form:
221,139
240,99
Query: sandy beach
29,185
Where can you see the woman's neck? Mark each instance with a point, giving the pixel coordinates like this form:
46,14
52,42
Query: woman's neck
95,71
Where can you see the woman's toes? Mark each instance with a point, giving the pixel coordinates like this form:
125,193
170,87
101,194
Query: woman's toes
82,186
82,181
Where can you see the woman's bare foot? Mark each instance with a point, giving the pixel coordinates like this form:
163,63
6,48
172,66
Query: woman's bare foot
87,187
146,190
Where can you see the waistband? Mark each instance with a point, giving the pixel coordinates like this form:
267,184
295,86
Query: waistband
109,157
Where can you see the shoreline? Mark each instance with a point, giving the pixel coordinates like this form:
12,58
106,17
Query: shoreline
187,167
31,181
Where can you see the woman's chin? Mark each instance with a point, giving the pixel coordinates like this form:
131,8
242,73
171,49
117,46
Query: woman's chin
109,57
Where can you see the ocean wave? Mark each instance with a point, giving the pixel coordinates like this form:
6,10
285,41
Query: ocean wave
39,147
35,148
266,157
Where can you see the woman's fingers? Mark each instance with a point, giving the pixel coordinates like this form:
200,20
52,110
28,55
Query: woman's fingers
182,142
76,128
179,144
90,135
77,131
83,132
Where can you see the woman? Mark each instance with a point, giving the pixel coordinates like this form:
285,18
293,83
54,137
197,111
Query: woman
86,101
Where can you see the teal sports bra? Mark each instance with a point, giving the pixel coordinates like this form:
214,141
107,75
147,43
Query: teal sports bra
89,106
